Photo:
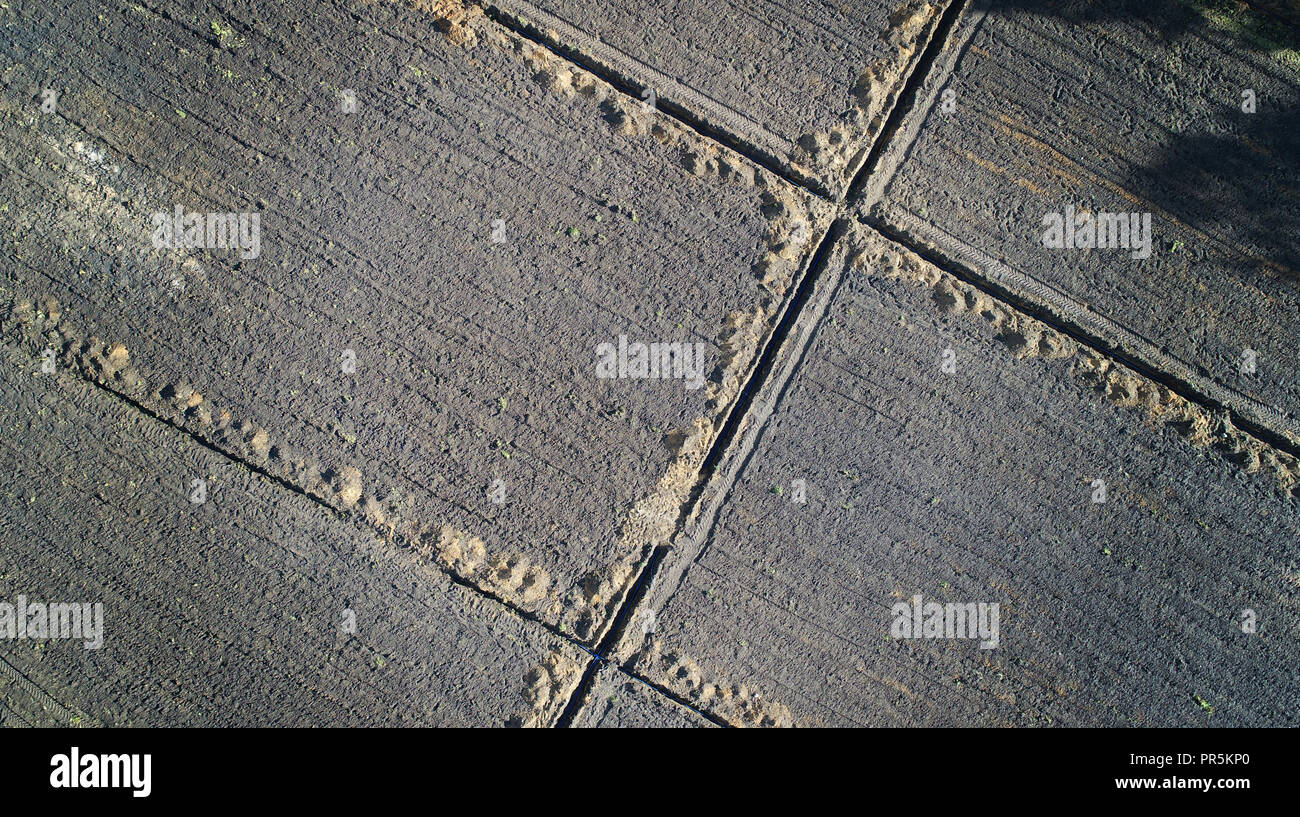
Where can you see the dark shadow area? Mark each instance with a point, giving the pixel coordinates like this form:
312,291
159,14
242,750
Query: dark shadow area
1245,185
1170,17
1236,174
1260,21
1282,10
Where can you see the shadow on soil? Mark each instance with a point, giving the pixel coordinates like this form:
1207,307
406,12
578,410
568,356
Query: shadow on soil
1238,174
